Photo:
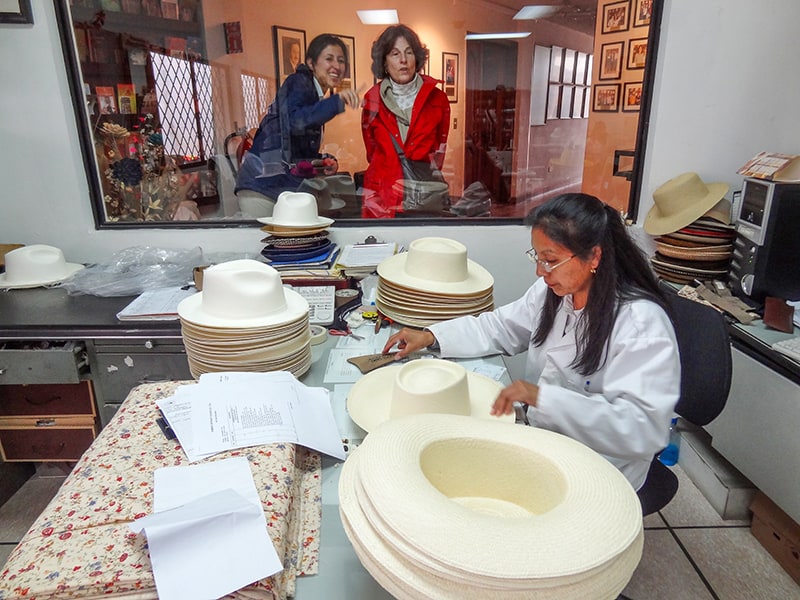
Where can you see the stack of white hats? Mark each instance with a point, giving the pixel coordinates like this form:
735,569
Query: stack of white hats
245,320
434,281
444,506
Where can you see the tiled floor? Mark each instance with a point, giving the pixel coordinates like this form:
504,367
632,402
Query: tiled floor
690,552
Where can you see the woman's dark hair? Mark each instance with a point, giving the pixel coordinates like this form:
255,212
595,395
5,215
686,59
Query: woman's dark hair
580,222
322,41
385,42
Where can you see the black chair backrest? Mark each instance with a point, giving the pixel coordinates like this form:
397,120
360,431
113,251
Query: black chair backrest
705,353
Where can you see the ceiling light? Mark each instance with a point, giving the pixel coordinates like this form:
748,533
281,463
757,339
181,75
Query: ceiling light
536,12
497,36
378,17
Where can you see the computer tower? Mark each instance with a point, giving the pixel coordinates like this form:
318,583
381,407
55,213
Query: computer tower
766,253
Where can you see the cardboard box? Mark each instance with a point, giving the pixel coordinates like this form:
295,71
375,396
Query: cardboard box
778,533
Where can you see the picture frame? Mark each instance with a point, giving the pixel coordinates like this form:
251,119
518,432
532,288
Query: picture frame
642,12
631,96
450,75
616,17
290,49
349,79
556,63
16,12
606,97
637,53
611,58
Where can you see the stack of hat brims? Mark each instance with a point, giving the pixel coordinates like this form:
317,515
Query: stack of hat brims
475,509
245,320
434,281
692,220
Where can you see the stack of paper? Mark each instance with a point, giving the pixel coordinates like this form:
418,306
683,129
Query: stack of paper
359,260
156,305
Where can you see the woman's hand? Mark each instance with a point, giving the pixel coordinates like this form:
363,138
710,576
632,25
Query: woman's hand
519,391
408,341
350,98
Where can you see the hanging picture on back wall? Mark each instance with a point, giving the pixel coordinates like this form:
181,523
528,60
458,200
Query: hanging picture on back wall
290,48
450,75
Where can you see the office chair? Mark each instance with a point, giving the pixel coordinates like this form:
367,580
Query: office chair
705,355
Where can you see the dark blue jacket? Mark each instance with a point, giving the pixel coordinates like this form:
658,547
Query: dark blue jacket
290,131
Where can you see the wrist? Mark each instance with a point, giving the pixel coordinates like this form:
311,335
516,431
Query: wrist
434,343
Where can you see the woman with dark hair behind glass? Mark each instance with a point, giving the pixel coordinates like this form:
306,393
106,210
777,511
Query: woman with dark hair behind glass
404,107
291,131
602,360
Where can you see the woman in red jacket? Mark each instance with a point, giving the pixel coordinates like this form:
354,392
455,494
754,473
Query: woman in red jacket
405,106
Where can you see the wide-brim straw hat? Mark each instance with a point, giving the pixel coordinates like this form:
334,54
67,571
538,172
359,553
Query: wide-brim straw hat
320,189
475,509
435,264
680,201
428,385
297,210
36,265
242,294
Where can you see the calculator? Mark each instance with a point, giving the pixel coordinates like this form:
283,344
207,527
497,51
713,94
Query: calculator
321,299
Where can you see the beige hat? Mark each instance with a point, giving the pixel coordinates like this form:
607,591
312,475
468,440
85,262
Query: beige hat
435,264
320,189
295,209
36,265
445,506
242,293
425,385
680,201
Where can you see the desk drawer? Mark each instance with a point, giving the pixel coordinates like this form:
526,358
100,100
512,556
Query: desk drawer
47,400
42,362
50,440
117,374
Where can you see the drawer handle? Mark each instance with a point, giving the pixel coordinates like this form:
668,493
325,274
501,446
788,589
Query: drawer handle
45,422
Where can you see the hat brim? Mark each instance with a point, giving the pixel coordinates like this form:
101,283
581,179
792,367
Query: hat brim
319,222
71,269
478,278
657,223
191,309
369,400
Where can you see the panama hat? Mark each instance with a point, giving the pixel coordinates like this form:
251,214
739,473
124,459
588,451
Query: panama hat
36,265
296,210
320,189
425,385
435,264
242,294
478,509
680,201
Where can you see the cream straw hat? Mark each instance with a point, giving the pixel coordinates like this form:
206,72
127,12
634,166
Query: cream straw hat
475,509
34,266
425,385
242,294
438,265
680,201
296,209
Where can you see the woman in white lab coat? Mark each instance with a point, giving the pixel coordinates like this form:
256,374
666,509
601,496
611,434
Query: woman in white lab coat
602,365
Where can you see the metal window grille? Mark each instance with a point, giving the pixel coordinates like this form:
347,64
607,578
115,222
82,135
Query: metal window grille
256,98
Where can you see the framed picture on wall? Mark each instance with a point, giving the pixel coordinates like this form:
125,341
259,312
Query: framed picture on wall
616,16
642,11
290,48
606,97
632,96
349,78
450,75
16,12
611,57
637,53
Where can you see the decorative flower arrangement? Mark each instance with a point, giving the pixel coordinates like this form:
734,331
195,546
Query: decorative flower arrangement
144,184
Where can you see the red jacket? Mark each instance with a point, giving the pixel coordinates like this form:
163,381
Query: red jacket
430,124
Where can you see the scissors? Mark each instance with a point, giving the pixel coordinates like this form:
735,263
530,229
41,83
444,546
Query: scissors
345,332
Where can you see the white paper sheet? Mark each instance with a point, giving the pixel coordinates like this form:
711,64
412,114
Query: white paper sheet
156,305
209,535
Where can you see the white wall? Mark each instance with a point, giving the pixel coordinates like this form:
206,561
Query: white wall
725,89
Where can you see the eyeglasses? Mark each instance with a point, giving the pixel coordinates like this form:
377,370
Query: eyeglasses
548,267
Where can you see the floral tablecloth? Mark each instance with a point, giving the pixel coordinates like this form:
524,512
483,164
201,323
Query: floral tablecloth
81,546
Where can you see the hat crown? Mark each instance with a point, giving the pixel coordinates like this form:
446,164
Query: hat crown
430,386
35,262
437,259
242,289
295,208
680,191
